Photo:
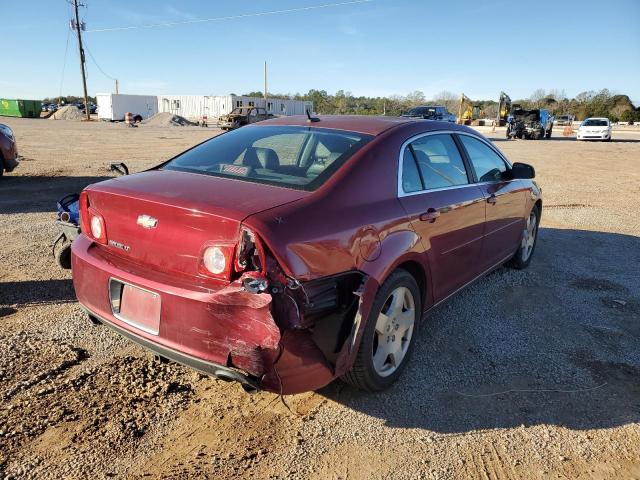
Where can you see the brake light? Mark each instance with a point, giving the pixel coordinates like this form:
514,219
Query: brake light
250,253
91,222
84,213
216,261
98,230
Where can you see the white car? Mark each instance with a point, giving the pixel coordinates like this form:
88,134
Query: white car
595,129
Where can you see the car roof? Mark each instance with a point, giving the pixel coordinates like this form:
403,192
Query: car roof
370,125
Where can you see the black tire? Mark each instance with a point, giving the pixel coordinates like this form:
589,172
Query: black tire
1,166
363,374
548,134
522,257
63,256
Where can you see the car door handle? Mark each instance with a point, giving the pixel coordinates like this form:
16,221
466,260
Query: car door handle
492,199
430,215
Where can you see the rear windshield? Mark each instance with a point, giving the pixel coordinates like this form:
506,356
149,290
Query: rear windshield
595,123
296,157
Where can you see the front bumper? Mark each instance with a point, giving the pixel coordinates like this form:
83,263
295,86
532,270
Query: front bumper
218,329
593,136
228,124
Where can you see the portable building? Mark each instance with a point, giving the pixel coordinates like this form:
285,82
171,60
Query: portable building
194,107
113,106
20,108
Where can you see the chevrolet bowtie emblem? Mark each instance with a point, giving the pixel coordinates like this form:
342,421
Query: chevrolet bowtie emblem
147,222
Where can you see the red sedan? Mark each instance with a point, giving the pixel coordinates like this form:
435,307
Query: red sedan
294,251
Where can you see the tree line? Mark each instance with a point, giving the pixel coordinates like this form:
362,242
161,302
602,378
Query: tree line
67,100
601,103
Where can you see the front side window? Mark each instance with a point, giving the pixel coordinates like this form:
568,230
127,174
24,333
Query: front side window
439,162
296,157
489,166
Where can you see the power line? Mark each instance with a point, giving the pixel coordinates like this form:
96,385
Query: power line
64,64
231,17
86,47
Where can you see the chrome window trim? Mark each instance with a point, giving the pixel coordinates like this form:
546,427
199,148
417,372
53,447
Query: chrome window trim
400,191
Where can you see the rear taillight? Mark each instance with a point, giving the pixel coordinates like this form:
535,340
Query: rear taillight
91,222
250,253
84,212
227,261
217,261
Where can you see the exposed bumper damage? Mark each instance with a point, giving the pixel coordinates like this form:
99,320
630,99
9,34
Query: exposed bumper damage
317,321
264,329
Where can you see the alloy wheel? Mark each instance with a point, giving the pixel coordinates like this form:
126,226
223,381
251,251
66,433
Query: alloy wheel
394,328
529,236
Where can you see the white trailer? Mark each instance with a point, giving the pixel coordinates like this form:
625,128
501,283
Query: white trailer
112,106
193,107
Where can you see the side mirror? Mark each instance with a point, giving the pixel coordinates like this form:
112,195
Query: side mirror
522,170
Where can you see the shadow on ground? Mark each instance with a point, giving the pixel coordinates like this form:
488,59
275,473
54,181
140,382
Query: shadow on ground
34,292
43,192
558,344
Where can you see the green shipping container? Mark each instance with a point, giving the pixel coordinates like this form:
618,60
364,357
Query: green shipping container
20,108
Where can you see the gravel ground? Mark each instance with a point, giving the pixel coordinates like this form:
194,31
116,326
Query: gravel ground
528,374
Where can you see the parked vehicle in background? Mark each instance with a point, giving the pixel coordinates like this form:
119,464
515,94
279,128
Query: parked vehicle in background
530,124
92,108
8,149
564,120
437,112
595,129
241,116
294,251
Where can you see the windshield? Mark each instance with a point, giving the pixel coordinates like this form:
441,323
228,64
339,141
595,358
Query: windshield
296,157
593,122
422,111
240,110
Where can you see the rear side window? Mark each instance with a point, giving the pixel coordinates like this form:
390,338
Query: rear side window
489,166
296,157
411,181
439,163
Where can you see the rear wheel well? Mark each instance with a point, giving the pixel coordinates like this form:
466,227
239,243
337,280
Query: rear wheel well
418,273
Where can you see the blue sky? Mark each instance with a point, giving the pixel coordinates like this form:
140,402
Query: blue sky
382,47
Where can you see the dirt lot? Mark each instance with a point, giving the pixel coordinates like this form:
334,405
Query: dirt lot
532,374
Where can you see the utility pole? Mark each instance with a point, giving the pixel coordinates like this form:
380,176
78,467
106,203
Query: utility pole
81,50
265,88
117,86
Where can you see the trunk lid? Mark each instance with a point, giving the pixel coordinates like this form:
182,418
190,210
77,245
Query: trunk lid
162,219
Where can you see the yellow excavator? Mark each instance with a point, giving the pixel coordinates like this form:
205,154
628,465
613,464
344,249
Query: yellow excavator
468,113
504,109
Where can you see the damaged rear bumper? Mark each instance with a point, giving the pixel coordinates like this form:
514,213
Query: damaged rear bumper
289,339
221,372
